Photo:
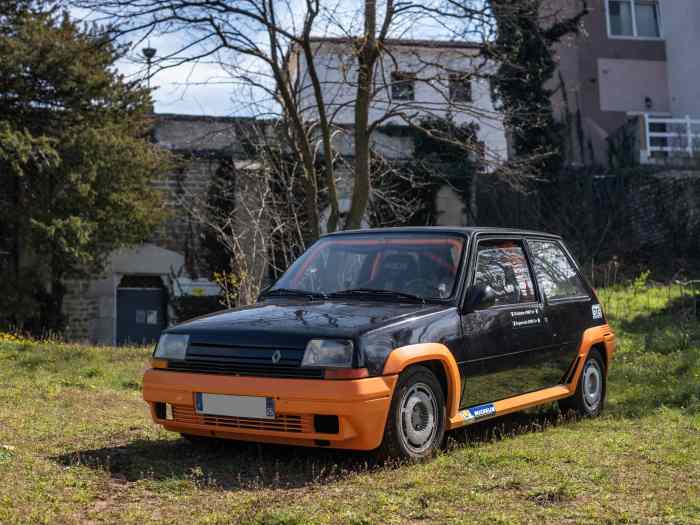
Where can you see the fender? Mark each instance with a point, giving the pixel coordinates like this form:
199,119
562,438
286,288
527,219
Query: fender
401,358
593,336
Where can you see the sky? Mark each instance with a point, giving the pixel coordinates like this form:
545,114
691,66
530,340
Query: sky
199,89
189,89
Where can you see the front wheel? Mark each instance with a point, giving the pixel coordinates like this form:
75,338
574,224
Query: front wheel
590,392
415,425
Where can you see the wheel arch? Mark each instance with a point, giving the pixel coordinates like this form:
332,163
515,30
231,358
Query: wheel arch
600,338
439,359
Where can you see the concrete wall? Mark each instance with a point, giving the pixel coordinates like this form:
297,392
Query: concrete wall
681,22
450,208
91,306
625,85
194,133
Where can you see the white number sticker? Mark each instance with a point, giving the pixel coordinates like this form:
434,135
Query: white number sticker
597,311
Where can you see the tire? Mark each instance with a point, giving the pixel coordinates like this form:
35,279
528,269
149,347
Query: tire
415,425
590,393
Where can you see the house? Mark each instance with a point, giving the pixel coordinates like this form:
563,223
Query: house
631,68
414,80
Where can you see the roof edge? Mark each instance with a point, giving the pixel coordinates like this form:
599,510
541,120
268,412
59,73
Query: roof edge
407,42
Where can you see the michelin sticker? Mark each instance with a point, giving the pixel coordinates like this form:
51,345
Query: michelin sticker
596,311
478,412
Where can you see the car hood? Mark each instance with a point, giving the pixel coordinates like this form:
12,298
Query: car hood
292,323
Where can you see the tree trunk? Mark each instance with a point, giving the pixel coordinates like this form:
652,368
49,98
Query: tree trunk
367,57
473,201
301,146
334,217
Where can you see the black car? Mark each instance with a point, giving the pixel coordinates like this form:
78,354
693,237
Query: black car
385,339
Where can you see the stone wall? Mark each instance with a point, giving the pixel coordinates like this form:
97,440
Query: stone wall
184,188
81,310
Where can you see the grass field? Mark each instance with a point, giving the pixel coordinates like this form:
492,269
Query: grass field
77,446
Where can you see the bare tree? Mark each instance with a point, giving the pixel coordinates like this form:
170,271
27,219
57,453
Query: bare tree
252,211
272,51
335,76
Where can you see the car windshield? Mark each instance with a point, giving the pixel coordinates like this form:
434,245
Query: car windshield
403,265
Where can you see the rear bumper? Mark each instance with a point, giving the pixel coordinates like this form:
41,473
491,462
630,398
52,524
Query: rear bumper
361,406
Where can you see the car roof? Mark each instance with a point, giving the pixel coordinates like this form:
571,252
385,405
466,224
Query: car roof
460,230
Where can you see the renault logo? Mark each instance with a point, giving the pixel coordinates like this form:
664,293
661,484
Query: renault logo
276,357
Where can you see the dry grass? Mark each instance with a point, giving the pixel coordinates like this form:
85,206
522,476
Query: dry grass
77,446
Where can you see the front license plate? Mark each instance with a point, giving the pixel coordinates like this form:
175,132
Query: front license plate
235,406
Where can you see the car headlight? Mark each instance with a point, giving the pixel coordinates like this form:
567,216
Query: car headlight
172,346
328,353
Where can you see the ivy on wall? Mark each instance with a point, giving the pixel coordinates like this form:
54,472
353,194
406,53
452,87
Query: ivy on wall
444,154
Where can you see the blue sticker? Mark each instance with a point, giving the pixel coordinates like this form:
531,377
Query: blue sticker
478,412
199,401
270,407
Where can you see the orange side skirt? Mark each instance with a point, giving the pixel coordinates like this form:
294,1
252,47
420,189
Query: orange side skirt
593,336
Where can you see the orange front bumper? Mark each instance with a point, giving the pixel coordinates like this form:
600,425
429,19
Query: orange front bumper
361,406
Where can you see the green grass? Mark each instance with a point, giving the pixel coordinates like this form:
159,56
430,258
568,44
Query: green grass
77,446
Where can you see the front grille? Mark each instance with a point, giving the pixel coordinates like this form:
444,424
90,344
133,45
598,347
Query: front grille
245,361
214,367
282,423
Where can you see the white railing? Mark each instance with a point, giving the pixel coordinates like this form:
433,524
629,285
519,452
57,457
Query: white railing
667,138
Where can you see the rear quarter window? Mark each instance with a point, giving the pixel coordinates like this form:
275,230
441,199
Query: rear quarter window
555,273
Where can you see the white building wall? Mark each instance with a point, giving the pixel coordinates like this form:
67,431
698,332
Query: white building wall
681,29
337,72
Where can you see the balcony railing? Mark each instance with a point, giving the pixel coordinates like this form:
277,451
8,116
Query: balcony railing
669,139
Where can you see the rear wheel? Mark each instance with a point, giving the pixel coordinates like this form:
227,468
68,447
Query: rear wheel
415,425
590,392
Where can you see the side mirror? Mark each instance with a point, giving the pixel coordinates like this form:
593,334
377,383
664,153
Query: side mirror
479,298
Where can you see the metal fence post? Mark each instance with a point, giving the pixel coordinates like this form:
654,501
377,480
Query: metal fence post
689,129
645,140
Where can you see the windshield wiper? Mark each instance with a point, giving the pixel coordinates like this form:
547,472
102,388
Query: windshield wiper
374,291
292,292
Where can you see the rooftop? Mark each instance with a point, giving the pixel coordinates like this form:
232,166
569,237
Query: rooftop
407,42
466,230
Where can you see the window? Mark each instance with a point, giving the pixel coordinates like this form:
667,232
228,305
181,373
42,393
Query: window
647,18
502,266
403,85
460,88
426,265
555,274
634,18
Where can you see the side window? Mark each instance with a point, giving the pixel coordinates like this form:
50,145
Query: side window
502,266
555,273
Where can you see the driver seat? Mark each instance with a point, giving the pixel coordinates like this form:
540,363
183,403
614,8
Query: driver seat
395,271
